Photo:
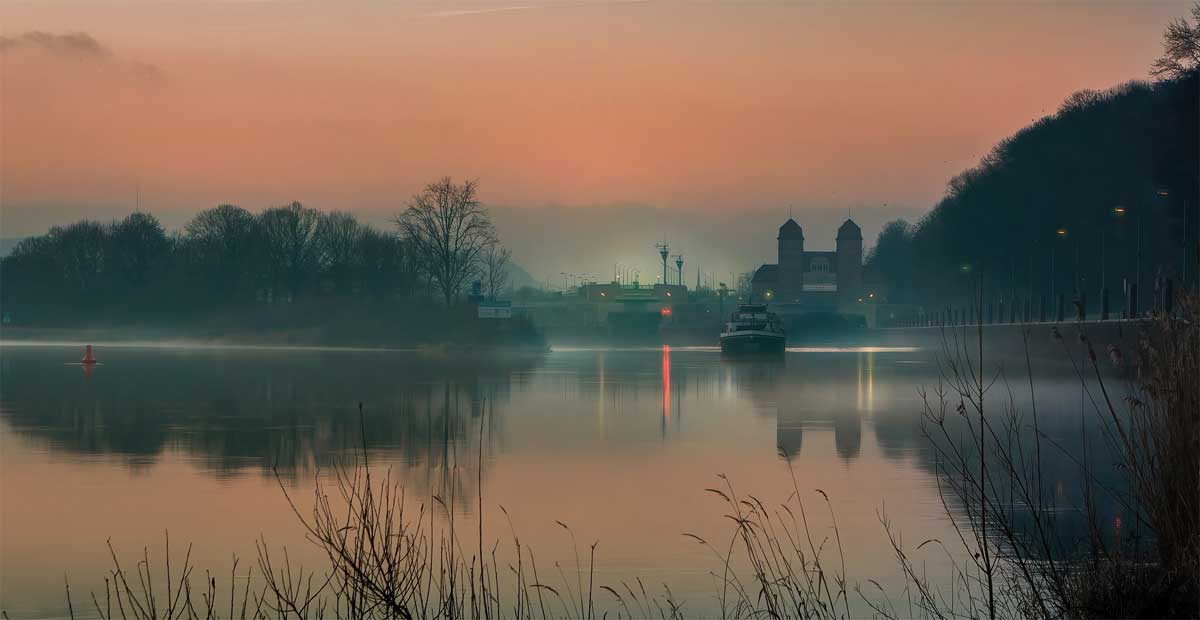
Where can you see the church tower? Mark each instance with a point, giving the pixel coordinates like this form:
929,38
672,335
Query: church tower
791,261
849,260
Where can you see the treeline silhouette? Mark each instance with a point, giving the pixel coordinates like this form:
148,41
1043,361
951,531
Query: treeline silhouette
229,271
1056,208
224,258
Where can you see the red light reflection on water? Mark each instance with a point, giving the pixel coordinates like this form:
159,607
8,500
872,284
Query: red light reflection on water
666,381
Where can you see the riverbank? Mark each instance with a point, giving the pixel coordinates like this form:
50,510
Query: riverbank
445,338
1015,340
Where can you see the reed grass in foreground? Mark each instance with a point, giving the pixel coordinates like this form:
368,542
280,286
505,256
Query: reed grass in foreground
991,455
383,558
386,559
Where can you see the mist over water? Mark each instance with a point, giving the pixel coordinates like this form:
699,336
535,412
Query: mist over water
620,444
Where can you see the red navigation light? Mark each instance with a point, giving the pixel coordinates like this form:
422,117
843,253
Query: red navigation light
666,312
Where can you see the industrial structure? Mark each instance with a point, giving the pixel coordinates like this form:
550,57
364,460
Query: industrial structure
812,291
806,280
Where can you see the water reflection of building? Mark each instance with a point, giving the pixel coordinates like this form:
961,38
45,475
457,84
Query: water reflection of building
847,435
789,438
813,393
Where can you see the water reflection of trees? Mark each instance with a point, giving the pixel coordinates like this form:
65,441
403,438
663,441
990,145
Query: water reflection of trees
238,411
233,412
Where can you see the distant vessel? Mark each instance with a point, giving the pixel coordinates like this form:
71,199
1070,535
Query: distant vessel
752,329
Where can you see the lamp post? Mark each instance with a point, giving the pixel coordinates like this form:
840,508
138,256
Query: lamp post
965,269
1120,212
1075,269
663,252
1062,234
1103,261
1163,194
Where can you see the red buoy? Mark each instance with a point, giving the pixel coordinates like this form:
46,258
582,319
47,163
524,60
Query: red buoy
87,356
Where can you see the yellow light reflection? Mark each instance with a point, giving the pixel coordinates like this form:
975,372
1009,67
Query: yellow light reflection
600,399
866,381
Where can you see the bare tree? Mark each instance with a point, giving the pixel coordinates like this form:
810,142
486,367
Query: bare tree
338,238
290,235
224,242
384,266
138,242
1181,48
83,256
495,269
450,231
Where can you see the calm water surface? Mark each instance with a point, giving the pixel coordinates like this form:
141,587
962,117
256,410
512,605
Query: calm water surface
619,444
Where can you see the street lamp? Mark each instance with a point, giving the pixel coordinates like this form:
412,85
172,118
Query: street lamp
1121,211
1061,233
1184,258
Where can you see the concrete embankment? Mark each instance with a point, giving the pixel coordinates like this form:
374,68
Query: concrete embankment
1045,341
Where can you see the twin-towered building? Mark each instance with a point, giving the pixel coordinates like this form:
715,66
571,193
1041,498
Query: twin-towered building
812,278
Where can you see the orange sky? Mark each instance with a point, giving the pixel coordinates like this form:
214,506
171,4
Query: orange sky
711,106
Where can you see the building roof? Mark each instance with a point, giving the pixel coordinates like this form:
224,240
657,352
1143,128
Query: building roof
849,231
791,230
766,273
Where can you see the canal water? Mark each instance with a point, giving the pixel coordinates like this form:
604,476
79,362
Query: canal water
202,444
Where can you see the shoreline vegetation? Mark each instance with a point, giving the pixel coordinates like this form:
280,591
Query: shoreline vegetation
389,555
287,275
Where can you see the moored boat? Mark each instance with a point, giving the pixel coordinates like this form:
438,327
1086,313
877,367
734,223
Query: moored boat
753,329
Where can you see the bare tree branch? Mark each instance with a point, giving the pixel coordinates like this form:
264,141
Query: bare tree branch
450,230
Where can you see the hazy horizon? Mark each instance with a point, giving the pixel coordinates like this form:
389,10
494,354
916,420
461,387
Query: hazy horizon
715,120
